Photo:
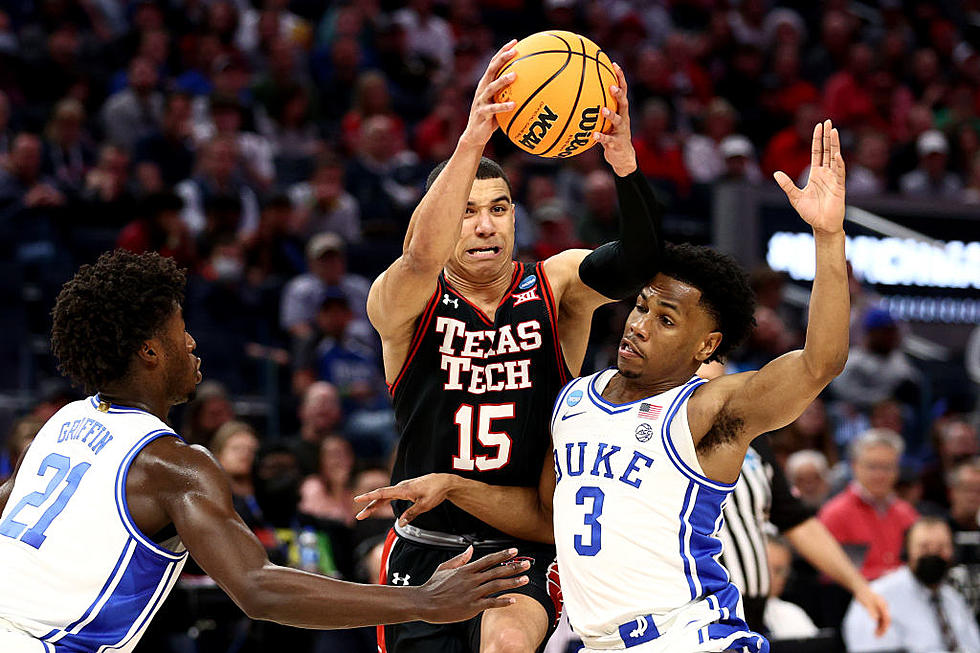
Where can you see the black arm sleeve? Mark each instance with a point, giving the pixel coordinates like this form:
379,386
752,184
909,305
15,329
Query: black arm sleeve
786,511
618,270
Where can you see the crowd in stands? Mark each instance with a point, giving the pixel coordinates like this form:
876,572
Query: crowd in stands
277,149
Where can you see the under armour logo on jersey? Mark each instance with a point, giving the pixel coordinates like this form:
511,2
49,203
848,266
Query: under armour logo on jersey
398,579
527,296
447,301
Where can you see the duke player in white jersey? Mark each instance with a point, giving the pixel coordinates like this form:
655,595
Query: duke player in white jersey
108,501
645,455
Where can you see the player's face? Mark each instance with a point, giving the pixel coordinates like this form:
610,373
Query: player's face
182,367
486,239
668,333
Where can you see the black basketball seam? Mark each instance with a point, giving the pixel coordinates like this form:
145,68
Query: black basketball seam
530,97
602,87
534,54
571,114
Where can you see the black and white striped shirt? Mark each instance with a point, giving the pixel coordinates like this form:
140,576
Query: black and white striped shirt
761,497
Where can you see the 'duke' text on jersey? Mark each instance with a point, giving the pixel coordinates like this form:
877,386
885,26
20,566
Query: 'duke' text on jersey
579,456
460,348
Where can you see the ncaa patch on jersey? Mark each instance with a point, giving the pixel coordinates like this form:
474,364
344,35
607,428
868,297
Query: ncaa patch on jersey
527,283
574,397
644,432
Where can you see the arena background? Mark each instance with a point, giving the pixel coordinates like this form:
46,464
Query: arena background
233,134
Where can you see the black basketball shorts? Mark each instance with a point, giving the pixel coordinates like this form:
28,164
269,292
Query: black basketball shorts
409,563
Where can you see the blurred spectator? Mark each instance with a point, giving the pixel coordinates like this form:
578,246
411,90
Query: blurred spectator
274,254
327,494
740,163
877,369
436,135
556,230
702,154
6,133
20,436
769,339
216,176
811,430
931,179
786,91
783,620
964,496
234,446
904,153
806,471
137,111
206,413
303,296
954,441
428,36
320,416
384,177
106,195
847,94
170,147
22,187
867,518
294,138
68,153
287,25
254,151
322,203
599,220
371,98
158,228
868,175
789,149
971,194
658,152
927,613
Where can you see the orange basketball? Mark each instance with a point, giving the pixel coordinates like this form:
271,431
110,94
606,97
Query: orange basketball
562,84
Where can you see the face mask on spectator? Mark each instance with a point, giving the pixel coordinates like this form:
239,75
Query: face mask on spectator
931,569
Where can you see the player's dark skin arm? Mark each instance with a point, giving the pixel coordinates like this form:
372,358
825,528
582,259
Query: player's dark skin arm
523,512
173,482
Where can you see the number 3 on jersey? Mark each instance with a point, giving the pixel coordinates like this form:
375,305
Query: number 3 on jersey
34,535
485,415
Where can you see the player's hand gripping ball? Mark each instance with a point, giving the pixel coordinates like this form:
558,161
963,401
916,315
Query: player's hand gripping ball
562,83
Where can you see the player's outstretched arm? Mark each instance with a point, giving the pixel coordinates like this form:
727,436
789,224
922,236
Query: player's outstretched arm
400,293
523,512
817,545
192,491
742,406
584,280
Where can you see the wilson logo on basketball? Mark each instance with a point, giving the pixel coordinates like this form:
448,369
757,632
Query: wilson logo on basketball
546,118
590,118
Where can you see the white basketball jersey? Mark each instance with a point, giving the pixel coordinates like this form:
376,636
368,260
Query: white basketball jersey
75,571
636,521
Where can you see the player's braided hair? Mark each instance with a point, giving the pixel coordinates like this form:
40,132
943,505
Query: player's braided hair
106,311
724,286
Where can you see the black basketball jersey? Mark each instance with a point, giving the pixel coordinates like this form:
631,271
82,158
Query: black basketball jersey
475,396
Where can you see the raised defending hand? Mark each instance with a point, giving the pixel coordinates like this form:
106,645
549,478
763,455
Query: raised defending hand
484,110
618,143
425,493
458,591
821,202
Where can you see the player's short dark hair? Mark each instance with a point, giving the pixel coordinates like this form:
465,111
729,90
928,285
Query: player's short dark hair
108,309
488,169
724,286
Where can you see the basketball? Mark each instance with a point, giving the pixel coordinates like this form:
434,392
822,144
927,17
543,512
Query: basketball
562,84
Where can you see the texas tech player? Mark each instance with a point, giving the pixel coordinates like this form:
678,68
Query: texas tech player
476,348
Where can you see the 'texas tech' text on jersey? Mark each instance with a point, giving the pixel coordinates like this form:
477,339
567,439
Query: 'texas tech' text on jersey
474,395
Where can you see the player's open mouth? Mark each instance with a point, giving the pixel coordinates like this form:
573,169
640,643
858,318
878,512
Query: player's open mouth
483,252
627,349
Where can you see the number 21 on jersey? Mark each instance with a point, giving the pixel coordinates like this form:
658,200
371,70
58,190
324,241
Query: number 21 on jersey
484,414
34,536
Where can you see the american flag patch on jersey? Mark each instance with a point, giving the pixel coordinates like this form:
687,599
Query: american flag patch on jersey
650,411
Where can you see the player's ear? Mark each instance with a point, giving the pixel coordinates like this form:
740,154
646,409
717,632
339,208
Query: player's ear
708,346
150,352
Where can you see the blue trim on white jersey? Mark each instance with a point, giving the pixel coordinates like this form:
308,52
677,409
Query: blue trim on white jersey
161,596
609,407
672,453
684,535
116,408
561,397
92,611
122,506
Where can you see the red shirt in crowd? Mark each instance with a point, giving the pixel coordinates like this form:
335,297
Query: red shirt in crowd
787,152
853,518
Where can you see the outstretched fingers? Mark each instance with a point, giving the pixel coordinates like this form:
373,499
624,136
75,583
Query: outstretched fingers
816,147
792,192
499,60
827,127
